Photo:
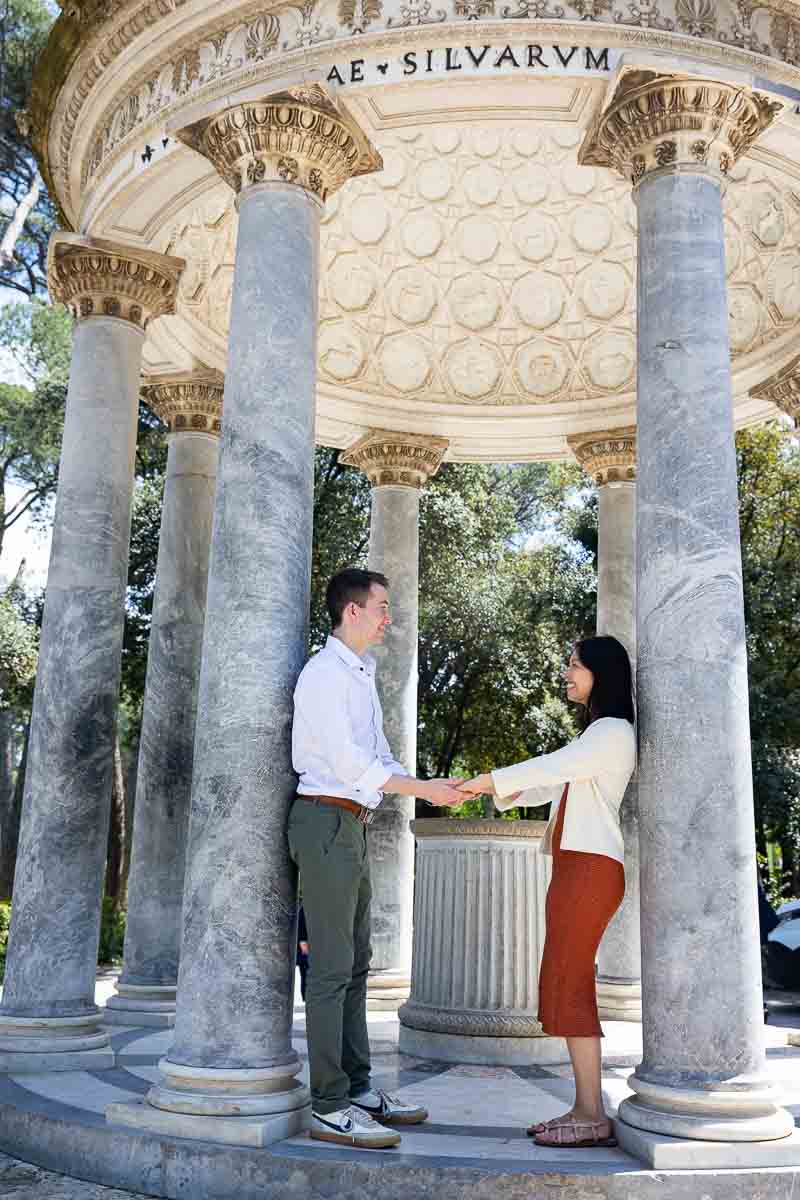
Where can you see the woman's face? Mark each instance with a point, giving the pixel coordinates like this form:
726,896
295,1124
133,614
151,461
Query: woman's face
579,680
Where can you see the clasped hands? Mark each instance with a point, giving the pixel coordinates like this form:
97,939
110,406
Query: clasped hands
452,792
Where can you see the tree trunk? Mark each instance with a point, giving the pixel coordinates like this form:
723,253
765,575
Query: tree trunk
17,223
116,833
10,832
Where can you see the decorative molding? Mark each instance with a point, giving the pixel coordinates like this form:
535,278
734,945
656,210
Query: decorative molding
97,278
399,459
782,389
187,403
428,827
468,1024
655,122
299,136
609,457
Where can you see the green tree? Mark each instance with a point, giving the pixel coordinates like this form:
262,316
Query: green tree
27,215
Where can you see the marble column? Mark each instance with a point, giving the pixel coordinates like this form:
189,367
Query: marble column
703,1074
398,465
48,1017
231,1073
610,458
191,407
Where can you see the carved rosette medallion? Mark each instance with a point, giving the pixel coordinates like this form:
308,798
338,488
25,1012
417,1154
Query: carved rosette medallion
401,459
783,389
609,457
190,403
299,137
97,278
658,122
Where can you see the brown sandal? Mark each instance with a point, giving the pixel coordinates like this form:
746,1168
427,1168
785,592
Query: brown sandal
575,1141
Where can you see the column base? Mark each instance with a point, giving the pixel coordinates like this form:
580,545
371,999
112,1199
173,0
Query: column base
750,1114
387,990
662,1153
230,1131
138,1004
542,1051
35,1044
619,1001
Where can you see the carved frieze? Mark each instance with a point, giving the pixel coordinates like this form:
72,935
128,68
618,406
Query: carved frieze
299,136
97,278
187,403
401,459
609,456
675,122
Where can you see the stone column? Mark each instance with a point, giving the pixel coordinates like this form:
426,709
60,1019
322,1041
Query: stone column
610,458
48,1019
398,465
478,941
703,1075
191,407
231,1072
783,390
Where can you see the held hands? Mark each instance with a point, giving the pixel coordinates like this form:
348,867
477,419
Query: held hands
443,793
452,792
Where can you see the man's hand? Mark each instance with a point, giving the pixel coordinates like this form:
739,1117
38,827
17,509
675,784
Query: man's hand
443,793
481,785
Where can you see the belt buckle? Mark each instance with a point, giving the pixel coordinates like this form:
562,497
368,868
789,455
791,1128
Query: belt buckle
366,815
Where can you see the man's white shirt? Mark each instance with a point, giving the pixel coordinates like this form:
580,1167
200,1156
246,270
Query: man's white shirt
338,744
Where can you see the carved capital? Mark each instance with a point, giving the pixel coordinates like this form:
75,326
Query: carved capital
402,459
656,122
299,136
609,457
97,278
782,389
190,403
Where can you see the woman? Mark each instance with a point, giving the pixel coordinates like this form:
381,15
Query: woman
588,881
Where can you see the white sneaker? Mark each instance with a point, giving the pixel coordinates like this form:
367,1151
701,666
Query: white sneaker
389,1109
352,1127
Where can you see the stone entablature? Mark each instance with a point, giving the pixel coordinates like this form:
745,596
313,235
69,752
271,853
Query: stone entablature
783,389
609,457
299,136
186,403
97,278
399,459
675,122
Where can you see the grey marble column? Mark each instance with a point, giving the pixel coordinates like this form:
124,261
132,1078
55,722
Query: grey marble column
703,1075
191,406
231,1072
398,466
610,458
48,1018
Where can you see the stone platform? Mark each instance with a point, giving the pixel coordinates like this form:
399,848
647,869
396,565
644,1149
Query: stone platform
473,1147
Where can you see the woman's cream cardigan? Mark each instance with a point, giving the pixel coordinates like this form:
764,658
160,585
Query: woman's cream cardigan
597,766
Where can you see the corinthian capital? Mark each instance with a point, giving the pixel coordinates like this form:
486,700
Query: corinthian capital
190,402
656,122
609,456
783,389
299,136
402,459
97,278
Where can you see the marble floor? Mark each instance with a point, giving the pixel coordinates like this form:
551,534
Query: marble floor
477,1114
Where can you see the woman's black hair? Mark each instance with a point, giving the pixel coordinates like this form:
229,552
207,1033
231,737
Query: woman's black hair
612,692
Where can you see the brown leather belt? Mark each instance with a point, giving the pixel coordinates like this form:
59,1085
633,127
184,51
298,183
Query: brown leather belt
365,815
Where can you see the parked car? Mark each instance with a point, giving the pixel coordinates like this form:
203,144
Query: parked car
783,948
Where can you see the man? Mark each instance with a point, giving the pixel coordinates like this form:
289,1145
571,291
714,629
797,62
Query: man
344,763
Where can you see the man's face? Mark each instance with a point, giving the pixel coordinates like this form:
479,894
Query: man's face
374,618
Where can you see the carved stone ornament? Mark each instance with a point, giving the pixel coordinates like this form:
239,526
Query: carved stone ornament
187,403
468,1024
609,457
658,122
402,459
782,389
300,136
94,278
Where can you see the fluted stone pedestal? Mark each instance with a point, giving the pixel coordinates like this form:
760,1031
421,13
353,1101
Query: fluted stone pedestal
479,928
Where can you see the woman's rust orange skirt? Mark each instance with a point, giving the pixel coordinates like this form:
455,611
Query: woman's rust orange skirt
585,891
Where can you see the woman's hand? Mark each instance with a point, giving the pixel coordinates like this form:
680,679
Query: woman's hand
481,785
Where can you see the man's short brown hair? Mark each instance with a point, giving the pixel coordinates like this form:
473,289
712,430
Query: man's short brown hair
350,586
